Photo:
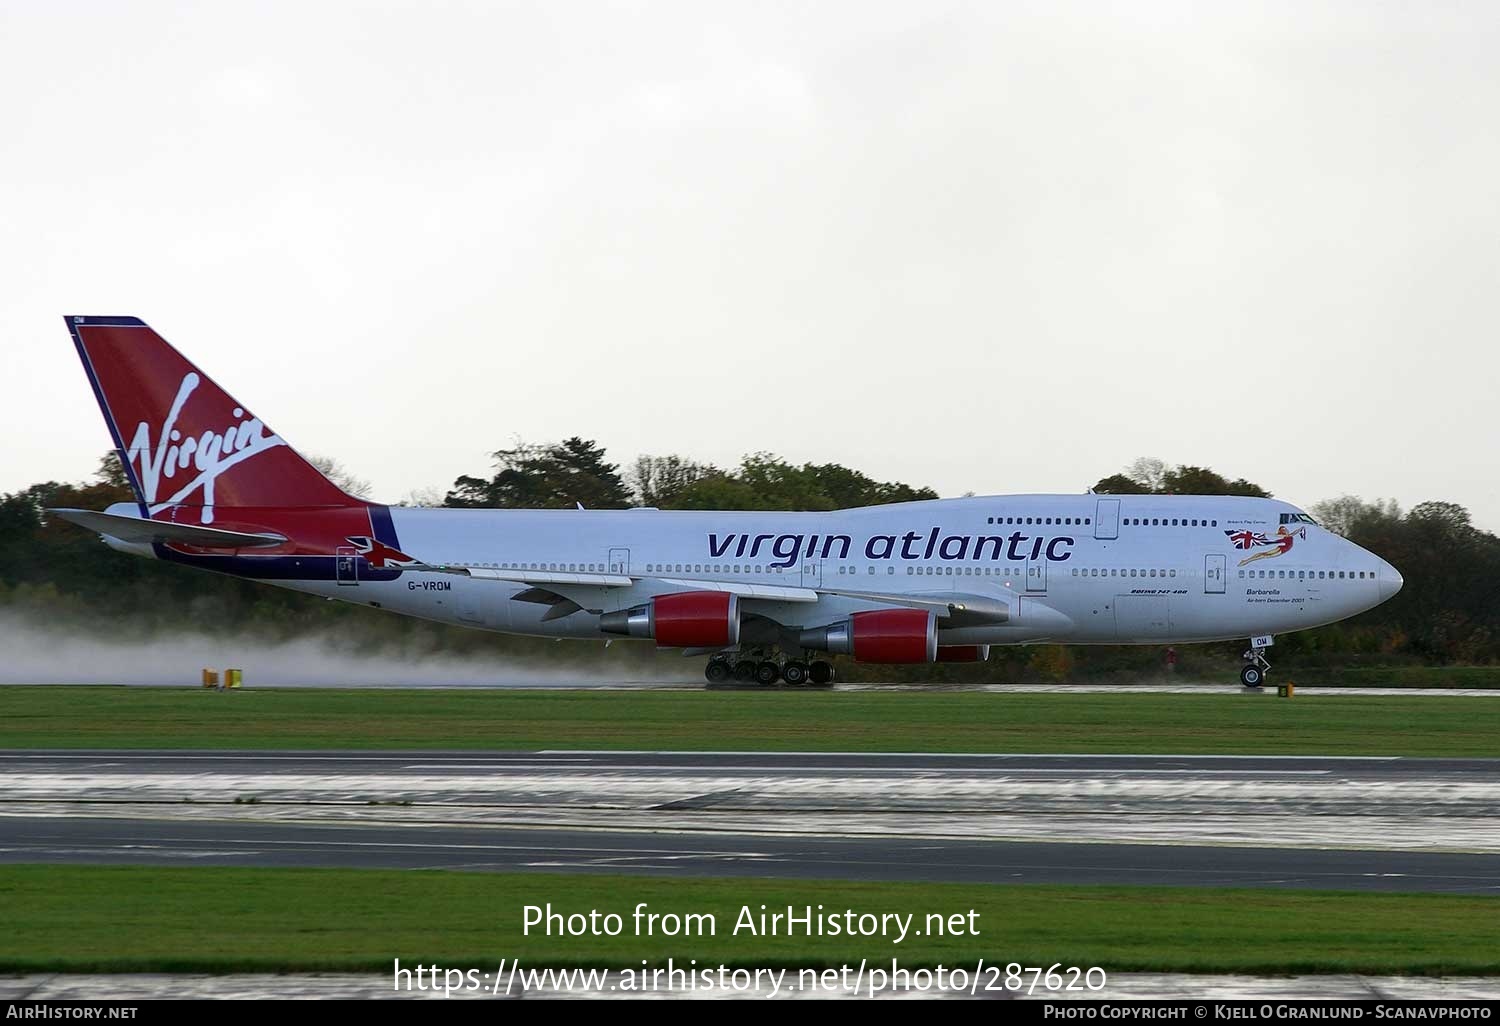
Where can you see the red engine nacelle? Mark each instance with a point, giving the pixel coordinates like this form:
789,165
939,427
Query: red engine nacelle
880,636
963,653
687,619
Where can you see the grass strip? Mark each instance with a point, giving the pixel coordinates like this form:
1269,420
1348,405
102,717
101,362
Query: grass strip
212,919
861,721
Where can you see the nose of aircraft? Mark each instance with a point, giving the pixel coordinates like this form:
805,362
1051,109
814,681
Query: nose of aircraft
1390,581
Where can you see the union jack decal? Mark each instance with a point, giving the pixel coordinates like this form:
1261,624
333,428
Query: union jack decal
377,553
1247,539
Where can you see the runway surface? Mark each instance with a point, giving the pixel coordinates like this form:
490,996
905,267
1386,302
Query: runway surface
497,849
1358,823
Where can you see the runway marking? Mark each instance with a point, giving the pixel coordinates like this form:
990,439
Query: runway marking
981,755
131,843
513,760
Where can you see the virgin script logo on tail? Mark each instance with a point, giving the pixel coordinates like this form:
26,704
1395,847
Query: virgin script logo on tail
211,454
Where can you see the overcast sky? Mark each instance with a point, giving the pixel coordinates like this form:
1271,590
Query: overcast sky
996,247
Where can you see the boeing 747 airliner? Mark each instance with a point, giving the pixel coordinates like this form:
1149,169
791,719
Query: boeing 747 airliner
765,596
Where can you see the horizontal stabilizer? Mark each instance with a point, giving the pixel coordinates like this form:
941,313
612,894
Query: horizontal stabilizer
142,531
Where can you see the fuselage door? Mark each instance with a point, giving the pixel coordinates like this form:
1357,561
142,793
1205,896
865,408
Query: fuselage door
1036,574
619,561
346,564
1214,573
812,574
1107,518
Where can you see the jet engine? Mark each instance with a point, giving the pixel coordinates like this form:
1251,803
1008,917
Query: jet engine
687,619
880,636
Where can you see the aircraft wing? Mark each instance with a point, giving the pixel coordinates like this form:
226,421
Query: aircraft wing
485,573
962,609
142,531
542,578
959,609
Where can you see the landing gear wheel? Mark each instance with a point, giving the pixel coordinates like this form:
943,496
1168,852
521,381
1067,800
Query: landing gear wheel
717,671
794,674
821,673
767,673
1252,676
744,671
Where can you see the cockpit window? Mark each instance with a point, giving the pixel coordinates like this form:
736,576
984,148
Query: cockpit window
1298,518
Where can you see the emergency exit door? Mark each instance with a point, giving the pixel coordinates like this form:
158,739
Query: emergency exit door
1214,572
1036,574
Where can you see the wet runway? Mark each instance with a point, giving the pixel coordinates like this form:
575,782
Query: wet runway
1355,823
507,849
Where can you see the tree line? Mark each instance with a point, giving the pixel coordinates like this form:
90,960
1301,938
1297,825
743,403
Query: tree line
576,471
1447,613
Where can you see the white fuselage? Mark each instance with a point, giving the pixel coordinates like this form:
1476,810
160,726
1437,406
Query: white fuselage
1083,569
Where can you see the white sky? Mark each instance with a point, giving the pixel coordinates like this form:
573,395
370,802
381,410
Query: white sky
993,247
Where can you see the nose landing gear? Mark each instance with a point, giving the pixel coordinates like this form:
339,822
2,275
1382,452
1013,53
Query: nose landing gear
1253,673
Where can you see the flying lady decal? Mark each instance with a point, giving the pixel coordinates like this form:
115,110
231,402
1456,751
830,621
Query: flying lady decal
1280,545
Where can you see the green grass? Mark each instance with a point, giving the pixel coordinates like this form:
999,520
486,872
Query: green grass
204,919
907,721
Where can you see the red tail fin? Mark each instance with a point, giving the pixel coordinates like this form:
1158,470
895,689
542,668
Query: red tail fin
184,441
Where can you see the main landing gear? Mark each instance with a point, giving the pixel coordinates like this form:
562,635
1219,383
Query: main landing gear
766,670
